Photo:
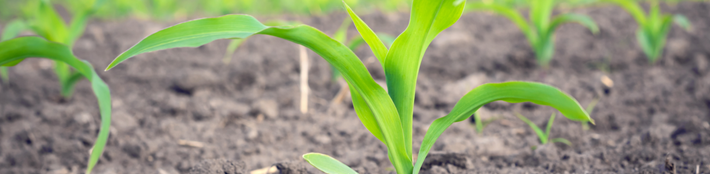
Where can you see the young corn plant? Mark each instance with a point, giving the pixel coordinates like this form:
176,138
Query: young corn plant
540,31
47,23
653,27
386,114
544,136
18,49
480,124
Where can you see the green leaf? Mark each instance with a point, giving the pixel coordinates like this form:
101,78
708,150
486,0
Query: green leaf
12,29
378,48
540,134
682,21
570,17
342,33
233,45
48,24
646,44
428,18
511,14
508,91
68,85
327,164
549,125
198,32
540,12
4,75
26,47
633,8
561,140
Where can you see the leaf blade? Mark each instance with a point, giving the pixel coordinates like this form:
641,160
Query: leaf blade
26,47
507,91
327,164
376,45
334,52
428,18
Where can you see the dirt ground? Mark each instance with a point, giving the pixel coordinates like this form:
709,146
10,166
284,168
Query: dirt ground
183,110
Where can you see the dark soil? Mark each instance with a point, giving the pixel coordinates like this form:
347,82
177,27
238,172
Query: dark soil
245,114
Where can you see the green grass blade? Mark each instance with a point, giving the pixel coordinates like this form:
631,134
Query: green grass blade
549,125
584,20
327,164
378,48
561,140
198,32
428,18
63,72
25,47
682,21
507,91
540,134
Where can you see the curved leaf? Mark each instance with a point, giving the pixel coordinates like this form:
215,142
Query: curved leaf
327,164
682,21
571,17
26,47
378,48
633,8
511,14
198,32
540,134
428,18
561,140
514,92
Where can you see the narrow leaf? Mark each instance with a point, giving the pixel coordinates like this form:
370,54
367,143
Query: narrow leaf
682,21
570,17
508,91
233,45
511,14
4,75
561,140
549,125
12,29
327,164
428,18
26,47
540,134
378,48
633,8
198,32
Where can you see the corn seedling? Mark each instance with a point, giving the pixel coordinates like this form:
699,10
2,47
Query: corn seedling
544,136
45,22
32,46
480,124
589,109
653,27
540,31
386,114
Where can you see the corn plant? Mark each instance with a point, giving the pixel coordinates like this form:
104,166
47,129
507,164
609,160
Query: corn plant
540,31
480,124
45,22
544,136
653,27
386,114
27,47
